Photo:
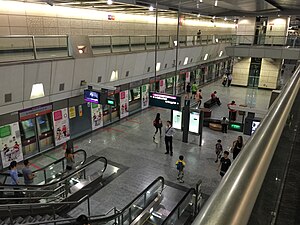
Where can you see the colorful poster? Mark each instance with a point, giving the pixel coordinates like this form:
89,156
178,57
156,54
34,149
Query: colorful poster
162,86
11,144
97,116
145,96
72,112
124,104
61,126
187,77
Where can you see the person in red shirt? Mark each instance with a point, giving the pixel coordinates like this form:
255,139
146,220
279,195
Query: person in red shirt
215,98
232,112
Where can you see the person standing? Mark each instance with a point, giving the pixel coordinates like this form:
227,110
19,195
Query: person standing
237,146
219,150
180,164
229,80
169,133
70,159
232,112
194,90
225,163
224,82
224,123
157,123
198,98
188,91
27,173
14,173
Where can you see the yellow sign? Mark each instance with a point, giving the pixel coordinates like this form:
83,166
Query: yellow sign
72,112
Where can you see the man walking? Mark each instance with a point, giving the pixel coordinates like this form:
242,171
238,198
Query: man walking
169,133
224,123
229,80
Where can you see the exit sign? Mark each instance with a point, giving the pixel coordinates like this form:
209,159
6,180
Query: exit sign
236,127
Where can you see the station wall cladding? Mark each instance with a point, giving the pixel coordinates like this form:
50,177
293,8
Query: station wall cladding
20,18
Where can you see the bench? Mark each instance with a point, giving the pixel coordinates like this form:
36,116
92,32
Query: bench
215,126
209,103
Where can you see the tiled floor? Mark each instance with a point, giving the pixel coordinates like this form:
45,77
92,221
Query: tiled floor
129,142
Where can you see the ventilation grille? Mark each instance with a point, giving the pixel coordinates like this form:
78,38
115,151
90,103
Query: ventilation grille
8,97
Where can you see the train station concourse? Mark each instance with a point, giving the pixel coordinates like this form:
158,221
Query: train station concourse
149,112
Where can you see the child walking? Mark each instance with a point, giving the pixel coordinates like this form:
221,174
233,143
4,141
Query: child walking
219,150
180,164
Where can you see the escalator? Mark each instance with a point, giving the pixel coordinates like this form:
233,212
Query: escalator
51,172
57,193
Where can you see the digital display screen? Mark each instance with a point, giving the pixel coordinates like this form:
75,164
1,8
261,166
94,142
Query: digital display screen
91,96
255,125
165,101
194,122
110,102
176,120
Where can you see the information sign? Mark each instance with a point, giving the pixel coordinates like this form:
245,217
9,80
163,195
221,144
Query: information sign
165,101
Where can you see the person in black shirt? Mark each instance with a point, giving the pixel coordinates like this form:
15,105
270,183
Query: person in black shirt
237,146
188,91
225,163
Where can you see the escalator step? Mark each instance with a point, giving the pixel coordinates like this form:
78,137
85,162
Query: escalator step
7,220
27,219
46,217
1,222
18,220
37,218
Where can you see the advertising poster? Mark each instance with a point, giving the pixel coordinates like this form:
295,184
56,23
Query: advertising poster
177,117
61,126
72,112
162,86
11,144
124,104
145,96
97,116
194,122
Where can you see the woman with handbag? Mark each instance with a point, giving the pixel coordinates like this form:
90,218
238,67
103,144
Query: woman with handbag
157,123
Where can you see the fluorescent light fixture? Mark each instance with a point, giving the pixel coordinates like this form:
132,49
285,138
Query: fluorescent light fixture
158,66
200,0
225,18
206,56
175,43
198,15
109,2
186,60
221,53
114,75
214,17
151,8
217,40
37,91
216,2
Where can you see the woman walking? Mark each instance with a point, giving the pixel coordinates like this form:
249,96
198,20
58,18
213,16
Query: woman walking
157,123
237,146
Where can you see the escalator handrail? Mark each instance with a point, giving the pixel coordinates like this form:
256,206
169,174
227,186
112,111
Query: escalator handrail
53,163
58,181
191,190
119,213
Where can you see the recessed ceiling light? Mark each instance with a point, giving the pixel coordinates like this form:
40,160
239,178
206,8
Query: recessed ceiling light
198,15
225,18
200,0
151,8
109,2
214,17
216,2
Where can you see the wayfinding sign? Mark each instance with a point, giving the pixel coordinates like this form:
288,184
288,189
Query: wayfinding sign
165,101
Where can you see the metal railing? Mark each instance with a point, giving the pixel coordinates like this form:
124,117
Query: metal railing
232,202
45,174
31,47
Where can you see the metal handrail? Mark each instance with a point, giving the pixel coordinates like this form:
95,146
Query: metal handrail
232,202
50,164
177,207
59,181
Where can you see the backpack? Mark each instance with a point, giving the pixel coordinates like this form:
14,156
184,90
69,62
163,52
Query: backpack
180,166
154,123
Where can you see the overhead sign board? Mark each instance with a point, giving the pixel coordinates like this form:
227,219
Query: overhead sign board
165,101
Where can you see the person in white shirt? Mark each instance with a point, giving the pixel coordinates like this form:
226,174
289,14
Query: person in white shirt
169,133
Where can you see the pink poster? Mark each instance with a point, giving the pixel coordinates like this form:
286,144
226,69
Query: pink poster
61,126
124,103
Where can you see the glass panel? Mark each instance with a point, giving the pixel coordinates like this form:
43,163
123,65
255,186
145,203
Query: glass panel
16,48
51,47
100,44
28,137
45,132
120,44
164,42
137,43
150,42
